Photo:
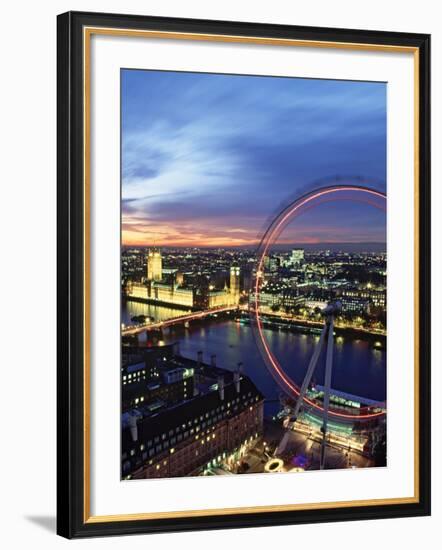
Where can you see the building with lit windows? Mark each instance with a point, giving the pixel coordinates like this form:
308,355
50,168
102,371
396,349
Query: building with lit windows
354,304
226,415
175,292
271,263
154,265
172,385
297,257
361,300
151,356
235,282
170,293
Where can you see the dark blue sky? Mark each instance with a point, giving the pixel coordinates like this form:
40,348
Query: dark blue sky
207,159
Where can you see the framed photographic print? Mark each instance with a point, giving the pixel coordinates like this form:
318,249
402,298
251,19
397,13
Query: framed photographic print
243,274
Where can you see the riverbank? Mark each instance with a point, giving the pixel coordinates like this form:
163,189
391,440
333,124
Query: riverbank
359,366
277,322
159,303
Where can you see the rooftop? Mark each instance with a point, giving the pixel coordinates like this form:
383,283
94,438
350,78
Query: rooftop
161,420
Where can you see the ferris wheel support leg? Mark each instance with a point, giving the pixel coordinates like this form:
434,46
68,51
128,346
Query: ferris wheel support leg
327,385
308,376
310,370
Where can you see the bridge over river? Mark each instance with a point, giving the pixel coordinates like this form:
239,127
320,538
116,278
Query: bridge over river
187,317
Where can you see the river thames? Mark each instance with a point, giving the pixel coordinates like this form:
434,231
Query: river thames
358,367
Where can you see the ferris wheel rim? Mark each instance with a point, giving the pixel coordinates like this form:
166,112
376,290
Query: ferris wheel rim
285,216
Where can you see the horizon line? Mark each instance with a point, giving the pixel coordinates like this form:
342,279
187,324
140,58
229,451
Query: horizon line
300,244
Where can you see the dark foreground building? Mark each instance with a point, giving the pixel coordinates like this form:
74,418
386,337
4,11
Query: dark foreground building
162,438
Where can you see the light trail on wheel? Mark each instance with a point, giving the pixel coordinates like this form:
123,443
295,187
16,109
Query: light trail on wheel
288,214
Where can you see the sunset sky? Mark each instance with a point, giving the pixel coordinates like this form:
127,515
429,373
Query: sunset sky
207,160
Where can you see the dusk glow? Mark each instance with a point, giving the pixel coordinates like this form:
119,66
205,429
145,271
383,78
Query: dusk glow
253,276
207,159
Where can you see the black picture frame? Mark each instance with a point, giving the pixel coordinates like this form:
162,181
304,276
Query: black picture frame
71,520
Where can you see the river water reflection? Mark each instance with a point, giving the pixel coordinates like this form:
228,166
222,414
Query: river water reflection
358,368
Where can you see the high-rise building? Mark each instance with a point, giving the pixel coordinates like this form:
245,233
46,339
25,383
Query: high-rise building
234,281
154,265
297,257
274,264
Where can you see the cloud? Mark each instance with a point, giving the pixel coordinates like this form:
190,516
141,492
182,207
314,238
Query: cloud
227,150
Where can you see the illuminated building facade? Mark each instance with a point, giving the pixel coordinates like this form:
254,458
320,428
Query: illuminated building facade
225,415
235,281
220,298
271,264
171,294
154,265
297,257
354,304
362,300
199,295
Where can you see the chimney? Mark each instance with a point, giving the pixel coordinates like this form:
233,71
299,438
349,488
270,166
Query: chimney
221,387
200,357
133,427
237,377
213,360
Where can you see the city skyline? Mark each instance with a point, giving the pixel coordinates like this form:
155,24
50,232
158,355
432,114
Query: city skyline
366,246
196,147
199,396
231,365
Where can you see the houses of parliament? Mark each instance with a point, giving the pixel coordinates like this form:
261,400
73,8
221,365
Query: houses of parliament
168,287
